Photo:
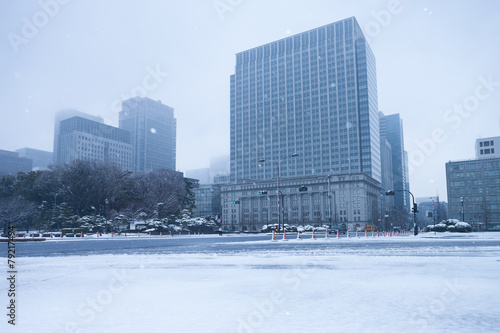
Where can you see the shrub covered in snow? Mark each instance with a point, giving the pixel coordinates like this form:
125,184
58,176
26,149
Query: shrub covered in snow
452,225
463,227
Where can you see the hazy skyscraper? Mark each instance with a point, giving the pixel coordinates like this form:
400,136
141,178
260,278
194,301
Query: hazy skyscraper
41,159
11,163
314,94
85,139
152,128
66,114
391,129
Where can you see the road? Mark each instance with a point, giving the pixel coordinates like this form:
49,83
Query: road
234,244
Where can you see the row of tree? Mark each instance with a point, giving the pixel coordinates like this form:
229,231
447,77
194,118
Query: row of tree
67,192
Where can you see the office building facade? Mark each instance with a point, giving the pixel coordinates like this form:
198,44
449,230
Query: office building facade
66,114
474,192
41,158
306,107
11,163
313,94
152,128
351,200
85,139
207,198
488,147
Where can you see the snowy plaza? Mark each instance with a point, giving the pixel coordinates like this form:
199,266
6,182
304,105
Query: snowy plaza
246,283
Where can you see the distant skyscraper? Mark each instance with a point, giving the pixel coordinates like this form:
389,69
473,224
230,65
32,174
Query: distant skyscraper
66,114
220,165
203,175
11,163
314,94
41,159
387,174
391,129
86,139
152,128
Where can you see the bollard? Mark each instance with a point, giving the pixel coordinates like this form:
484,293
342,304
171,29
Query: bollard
338,234
273,239
51,236
125,234
314,236
348,234
326,235
366,234
284,235
298,236
160,233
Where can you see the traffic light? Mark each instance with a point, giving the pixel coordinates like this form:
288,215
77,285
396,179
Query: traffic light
237,202
263,192
415,208
302,188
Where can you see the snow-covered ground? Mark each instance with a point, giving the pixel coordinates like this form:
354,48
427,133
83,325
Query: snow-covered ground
301,287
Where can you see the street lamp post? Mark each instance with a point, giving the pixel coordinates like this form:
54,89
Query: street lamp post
329,201
463,215
278,185
392,192
106,213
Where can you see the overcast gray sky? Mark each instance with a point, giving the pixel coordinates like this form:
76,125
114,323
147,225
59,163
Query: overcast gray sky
437,65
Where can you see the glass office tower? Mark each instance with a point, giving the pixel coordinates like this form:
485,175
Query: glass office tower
153,129
391,129
314,94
